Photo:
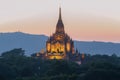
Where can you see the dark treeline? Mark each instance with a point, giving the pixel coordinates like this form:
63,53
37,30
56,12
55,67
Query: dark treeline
14,65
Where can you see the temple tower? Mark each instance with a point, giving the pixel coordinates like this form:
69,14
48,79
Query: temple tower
59,45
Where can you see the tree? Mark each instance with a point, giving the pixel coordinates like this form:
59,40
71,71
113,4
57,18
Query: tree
13,53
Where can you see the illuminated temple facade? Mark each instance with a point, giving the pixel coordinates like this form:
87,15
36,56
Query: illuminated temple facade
59,45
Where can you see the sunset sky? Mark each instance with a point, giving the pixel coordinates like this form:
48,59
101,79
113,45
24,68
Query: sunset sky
84,20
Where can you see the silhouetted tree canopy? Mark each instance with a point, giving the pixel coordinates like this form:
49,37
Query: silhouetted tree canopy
13,53
14,65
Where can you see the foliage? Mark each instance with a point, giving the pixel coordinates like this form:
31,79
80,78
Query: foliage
14,65
14,53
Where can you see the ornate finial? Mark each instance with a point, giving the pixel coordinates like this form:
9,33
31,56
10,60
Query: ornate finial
60,17
60,13
60,25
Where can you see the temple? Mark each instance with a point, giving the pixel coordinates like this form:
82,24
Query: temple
59,45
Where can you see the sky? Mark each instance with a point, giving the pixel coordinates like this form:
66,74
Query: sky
84,20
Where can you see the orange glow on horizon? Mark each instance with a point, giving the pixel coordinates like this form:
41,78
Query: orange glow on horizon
81,29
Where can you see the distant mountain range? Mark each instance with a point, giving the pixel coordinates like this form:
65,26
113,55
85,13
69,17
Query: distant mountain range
34,43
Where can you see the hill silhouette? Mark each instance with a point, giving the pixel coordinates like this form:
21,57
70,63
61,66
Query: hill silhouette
34,43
